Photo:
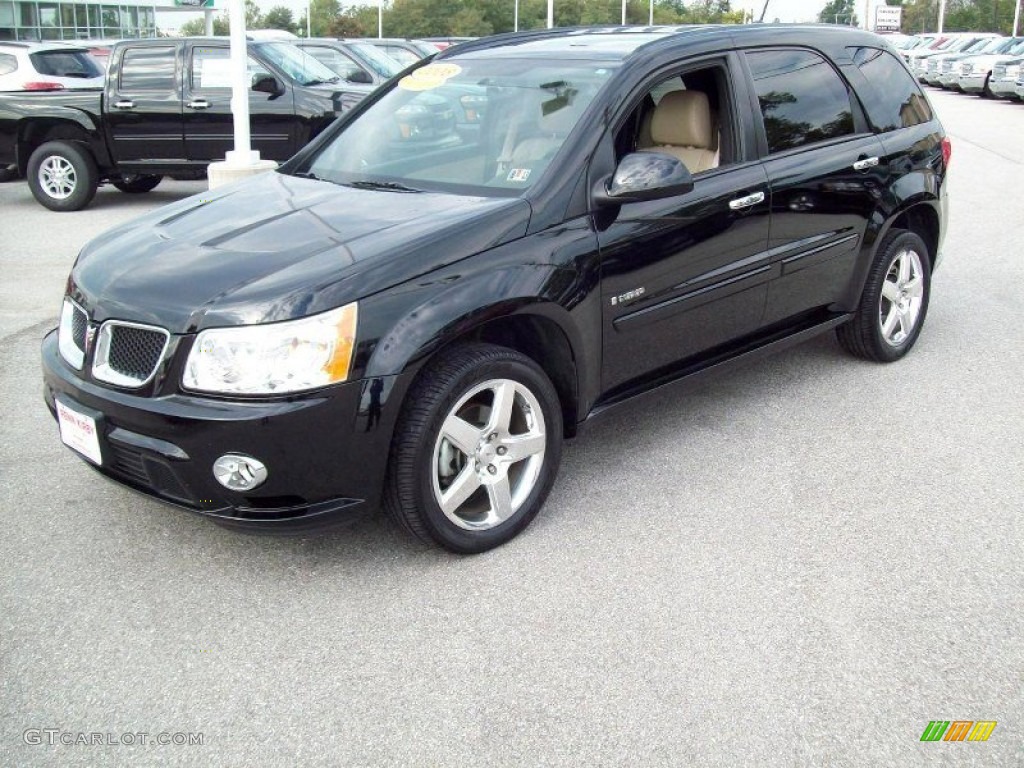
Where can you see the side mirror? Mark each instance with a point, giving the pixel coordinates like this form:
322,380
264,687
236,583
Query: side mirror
644,176
360,76
263,83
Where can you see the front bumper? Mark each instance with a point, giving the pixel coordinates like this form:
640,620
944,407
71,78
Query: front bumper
326,452
973,83
1005,89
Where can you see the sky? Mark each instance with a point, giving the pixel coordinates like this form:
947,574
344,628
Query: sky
782,10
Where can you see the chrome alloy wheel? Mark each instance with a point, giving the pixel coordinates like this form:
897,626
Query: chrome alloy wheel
57,176
489,454
902,297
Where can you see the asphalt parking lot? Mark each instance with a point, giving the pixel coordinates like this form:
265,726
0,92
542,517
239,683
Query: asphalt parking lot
801,564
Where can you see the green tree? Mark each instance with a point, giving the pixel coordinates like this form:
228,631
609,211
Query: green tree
322,14
839,12
194,27
350,26
279,17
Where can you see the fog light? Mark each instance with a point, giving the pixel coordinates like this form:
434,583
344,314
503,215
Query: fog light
239,473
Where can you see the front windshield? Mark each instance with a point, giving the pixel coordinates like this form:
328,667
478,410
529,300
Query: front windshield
488,127
297,64
403,57
379,62
1018,48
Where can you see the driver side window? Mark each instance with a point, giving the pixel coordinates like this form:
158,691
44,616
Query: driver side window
686,116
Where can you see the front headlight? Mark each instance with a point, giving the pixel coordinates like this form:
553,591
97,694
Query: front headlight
275,358
1011,72
966,69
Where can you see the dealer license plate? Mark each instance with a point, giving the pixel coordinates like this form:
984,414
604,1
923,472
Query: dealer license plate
78,432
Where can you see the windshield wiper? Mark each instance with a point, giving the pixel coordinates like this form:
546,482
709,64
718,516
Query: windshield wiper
331,80
388,185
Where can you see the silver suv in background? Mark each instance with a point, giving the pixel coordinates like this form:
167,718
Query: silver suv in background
47,67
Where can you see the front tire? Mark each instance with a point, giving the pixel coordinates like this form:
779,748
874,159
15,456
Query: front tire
137,185
62,176
476,449
894,303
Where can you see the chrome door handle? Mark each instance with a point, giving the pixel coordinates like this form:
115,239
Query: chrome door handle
745,202
124,104
198,104
867,162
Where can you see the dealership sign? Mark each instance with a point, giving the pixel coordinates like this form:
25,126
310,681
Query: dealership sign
888,18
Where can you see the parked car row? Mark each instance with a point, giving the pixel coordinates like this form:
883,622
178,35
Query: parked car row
970,62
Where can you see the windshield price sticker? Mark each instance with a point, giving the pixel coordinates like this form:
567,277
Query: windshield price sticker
429,77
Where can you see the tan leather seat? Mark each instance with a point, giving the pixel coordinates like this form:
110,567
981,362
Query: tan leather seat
552,129
681,126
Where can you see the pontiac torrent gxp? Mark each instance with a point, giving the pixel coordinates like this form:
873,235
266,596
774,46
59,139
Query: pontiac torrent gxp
417,309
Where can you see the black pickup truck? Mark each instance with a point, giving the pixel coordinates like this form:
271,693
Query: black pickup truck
165,110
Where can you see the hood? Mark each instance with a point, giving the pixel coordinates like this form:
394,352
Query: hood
278,247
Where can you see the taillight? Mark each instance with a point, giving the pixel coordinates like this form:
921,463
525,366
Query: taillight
947,150
42,85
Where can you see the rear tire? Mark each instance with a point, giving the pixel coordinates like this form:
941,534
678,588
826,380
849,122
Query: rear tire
137,185
894,303
62,176
476,449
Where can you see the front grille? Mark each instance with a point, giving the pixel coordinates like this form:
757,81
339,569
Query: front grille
128,354
134,352
999,72
79,324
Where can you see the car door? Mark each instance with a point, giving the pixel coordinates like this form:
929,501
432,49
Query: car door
826,172
143,106
208,119
686,274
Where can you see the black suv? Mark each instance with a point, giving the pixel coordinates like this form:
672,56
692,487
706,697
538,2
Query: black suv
416,310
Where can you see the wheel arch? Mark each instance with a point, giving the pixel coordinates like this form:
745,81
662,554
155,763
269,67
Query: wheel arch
537,327
919,216
32,134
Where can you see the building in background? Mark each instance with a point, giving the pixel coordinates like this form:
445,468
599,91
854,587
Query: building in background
40,20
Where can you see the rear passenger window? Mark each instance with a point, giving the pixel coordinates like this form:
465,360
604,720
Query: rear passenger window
8,64
891,98
148,69
803,99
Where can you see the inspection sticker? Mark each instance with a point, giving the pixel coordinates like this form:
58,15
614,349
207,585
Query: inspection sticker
519,174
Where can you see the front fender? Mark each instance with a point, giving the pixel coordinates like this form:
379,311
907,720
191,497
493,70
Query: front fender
549,280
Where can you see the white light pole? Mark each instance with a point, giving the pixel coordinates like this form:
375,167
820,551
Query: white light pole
1016,18
650,18
242,161
942,14
309,8
623,12
515,18
380,19
243,154
551,14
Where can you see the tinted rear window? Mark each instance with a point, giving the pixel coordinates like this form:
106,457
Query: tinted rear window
65,64
891,98
803,99
148,69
